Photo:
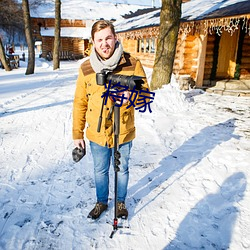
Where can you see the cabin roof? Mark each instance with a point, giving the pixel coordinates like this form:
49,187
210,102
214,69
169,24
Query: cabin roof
208,9
140,21
193,10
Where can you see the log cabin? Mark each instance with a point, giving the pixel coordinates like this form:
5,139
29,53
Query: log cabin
213,41
74,37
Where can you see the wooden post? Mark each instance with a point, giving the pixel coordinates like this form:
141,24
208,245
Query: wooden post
201,60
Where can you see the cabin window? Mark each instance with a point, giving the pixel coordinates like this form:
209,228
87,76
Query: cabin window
146,45
152,45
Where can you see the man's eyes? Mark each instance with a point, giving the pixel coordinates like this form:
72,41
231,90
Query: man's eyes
108,38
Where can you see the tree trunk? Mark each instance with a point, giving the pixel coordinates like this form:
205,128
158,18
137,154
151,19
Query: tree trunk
168,34
28,33
56,59
3,57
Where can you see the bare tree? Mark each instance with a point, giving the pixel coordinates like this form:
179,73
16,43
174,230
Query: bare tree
28,33
11,24
3,57
56,59
168,34
11,16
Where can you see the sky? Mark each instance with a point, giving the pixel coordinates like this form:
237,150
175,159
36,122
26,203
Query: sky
189,169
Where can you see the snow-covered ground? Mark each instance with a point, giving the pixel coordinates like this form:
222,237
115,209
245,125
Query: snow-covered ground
189,170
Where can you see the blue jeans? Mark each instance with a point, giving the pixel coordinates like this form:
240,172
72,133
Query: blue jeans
102,157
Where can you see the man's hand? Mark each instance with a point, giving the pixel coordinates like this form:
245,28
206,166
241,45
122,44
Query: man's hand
120,98
79,143
79,151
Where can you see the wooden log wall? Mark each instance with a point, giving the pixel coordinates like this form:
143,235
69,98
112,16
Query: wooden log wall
50,22
190,56
209,58
73,45
185,59
146,59
66,44
131,46
245,60
79,46
178,61
186,55
47,45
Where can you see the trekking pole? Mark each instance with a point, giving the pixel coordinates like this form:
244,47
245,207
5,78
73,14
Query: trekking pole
117,156
100,117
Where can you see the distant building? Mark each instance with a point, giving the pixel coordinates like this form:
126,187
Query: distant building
74,37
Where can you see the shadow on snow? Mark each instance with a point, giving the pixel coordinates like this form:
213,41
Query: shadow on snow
210,223
23,110
189,155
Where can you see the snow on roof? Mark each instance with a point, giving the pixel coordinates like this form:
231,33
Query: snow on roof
85,10
79,32
192,10
198,9
145,20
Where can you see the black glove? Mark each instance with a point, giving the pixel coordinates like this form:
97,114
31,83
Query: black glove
78,153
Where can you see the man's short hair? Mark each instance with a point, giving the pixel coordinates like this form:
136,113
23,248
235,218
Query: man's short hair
101,24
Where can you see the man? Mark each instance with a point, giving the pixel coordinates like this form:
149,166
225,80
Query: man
107,54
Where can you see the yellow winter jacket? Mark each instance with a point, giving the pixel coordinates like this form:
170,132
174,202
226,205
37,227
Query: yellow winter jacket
88,102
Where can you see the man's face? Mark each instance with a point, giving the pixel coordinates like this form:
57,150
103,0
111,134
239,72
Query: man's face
104,42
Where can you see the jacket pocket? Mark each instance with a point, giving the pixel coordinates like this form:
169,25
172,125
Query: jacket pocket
127,120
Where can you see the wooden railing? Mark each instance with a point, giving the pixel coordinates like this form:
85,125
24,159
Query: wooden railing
63,55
